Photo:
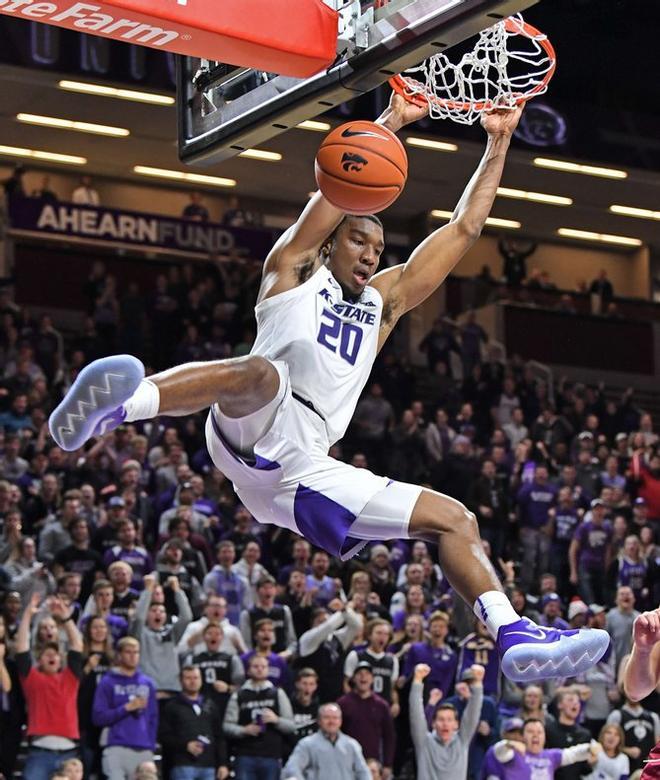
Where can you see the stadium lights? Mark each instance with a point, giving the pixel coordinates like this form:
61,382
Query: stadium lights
70,124
261,154
184,176
38,154
428,143
587,170
632,211
607,238
491,221
313,124
535,197
113,92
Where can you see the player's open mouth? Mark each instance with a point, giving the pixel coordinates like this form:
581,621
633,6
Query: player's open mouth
361,277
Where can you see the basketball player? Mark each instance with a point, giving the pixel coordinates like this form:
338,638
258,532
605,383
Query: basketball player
642,674
323,313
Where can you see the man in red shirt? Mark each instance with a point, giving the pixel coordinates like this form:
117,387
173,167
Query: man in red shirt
647,477
51,692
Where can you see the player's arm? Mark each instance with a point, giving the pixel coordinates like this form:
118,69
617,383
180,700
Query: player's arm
298,247
405,286
642,672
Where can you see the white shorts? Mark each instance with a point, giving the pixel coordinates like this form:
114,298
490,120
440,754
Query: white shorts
291,481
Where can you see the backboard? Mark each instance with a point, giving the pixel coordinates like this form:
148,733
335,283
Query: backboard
224,109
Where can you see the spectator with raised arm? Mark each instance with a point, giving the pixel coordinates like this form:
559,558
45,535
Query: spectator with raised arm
530,758
215,611
442,754
158,638
324,647
51,692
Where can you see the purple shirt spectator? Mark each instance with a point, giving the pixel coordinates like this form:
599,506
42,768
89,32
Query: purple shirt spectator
540,766
477,649
566,521
442,660
326,589
593,540
278,669
117,625
226,583
399,619
137,558
535,502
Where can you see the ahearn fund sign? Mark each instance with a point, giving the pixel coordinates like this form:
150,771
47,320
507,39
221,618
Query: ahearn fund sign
67,220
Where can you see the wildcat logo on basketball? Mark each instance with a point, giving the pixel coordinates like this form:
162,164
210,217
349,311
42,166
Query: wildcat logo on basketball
91,18
353,162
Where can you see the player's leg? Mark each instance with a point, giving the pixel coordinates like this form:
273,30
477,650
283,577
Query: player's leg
113,390
528,651
454,528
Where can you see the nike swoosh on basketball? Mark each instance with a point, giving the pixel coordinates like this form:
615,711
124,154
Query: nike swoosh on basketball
348,133
532,635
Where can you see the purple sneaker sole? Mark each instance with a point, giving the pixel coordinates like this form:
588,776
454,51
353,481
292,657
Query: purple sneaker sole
95,397
550,653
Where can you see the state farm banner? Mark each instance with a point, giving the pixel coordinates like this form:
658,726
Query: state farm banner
135,227
294,38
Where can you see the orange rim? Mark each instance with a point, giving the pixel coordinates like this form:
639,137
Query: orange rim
401,83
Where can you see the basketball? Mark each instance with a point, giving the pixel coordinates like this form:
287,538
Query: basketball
361,167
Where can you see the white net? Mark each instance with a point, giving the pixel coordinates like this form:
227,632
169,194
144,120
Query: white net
511,61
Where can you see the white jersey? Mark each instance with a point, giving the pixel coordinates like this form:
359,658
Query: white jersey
328,344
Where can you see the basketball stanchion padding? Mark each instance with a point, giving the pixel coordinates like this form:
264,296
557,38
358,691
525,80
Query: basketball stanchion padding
510,63
361,167
294,38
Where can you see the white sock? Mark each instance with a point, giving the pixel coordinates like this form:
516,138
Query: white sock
494,609
144,403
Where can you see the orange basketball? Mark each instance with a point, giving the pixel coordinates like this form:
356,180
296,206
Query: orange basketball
361,167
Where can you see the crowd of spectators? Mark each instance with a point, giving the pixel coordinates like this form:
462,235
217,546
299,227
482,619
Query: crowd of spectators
145,614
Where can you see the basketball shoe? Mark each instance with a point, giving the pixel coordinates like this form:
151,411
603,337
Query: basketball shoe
530,652
94,404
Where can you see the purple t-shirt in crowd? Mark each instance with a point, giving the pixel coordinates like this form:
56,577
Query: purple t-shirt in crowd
535,502
559,623
442,661
117,625
634,575
566,521
326,589
475,649
138,559
278,669
399,619
533,766
491,767
593,540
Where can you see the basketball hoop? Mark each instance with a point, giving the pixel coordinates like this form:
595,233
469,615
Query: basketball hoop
510,63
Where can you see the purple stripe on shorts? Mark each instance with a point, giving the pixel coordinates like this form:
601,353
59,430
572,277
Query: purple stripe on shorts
322,521
259,462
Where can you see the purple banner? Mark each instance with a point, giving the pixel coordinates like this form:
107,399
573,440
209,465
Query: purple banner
95,223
